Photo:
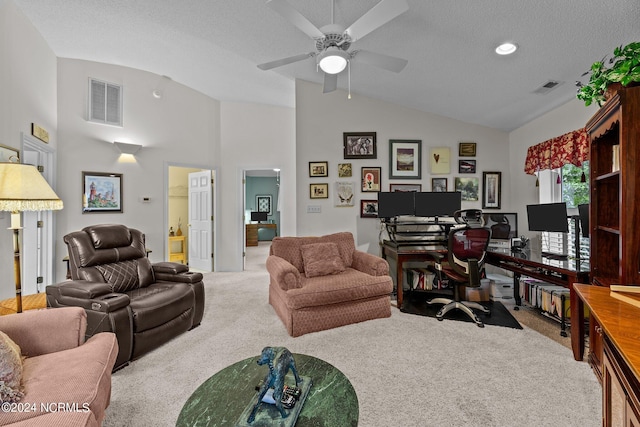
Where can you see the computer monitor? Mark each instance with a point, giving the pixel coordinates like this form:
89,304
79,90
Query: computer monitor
548,217
437,203
258,216
583,212
392,204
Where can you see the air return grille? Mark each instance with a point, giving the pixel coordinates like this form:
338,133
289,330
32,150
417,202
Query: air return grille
105,102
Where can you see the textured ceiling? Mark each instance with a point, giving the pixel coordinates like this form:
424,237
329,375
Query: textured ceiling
214,47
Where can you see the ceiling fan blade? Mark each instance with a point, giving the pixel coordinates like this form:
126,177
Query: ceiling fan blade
295,17
377,16
330,82
390,63
285,61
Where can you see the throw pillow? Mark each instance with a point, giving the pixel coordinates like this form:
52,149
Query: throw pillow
321,259
10,370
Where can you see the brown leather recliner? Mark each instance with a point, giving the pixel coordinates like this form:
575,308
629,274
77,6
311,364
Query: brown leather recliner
144,304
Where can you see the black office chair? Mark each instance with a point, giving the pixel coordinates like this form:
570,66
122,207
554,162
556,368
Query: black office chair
463,263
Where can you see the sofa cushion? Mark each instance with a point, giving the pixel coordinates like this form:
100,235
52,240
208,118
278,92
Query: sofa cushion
79,377
321,259
159,303
350,285
10,370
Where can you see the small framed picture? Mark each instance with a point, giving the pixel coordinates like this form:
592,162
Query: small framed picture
371,179
466,166
440,160
359,145
345,170
439,185
102,192
319,191
405,187
263,203
405,159
467,149
368,209
491,191
318,169
469,187
344,192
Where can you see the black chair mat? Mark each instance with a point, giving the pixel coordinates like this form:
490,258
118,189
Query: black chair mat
500,316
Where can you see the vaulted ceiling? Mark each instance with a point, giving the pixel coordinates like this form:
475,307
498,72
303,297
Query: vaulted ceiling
215,46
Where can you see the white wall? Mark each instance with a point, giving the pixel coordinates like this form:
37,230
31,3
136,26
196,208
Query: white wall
566,118
321,120
27,95
254,136
182,127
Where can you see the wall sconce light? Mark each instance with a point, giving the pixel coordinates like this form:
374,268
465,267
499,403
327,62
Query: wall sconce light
125,148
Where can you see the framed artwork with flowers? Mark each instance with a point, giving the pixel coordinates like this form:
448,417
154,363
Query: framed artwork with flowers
371,179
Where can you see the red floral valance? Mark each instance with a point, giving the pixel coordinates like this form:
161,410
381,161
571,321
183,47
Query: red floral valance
572,147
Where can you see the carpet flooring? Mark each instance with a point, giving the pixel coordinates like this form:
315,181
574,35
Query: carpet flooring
407,370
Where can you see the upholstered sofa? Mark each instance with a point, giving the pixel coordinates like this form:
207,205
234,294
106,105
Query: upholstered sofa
65,380
145,304
319,283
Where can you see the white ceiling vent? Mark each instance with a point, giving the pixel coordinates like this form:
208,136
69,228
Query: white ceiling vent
105,103
547,87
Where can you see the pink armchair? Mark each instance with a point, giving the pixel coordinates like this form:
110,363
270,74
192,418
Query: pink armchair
320,283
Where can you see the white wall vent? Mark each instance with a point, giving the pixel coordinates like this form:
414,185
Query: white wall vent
105,102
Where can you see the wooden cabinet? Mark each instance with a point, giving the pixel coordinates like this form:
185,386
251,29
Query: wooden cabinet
177,250
617,324
614,133
251,232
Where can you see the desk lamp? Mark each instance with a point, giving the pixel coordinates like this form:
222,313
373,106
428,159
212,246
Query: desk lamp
23,188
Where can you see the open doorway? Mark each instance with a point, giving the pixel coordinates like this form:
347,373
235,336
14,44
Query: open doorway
262,220
190,225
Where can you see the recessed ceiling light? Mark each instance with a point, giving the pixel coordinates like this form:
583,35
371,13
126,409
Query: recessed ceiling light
506,48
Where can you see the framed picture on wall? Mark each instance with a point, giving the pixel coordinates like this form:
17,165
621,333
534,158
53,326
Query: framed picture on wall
319,191
101,192
318,169
368,209
469,187
491,191
466,166
345,170
371,179
405,187
439,185
263,203
405,159
359,145
344,194
440,160
467,149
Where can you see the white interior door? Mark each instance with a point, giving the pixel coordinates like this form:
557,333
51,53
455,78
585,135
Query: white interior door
37,232
200,221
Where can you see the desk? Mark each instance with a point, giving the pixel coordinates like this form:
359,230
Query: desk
405,253
252,232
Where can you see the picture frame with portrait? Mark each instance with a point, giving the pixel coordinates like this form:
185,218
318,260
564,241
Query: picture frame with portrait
359,145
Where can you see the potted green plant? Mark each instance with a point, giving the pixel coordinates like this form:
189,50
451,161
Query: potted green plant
623,69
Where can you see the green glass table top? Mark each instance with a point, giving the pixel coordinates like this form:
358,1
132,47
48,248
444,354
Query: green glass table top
221,399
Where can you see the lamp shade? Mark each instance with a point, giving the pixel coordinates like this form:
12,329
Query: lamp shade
333,60
23,188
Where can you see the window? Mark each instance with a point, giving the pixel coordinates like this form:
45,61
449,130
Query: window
565,185
105,103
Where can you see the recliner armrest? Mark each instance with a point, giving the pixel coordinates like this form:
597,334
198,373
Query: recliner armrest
283,273
370,264
82,289
93,296
169,267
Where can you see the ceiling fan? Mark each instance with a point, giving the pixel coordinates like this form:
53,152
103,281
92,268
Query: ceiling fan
333,41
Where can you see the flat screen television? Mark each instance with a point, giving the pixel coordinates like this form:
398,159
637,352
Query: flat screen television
503,225
438,203
396,203
258,216
548,217
583,212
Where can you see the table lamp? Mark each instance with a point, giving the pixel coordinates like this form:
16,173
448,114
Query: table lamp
23,188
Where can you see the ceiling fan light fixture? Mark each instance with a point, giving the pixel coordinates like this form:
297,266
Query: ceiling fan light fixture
506,48
333,60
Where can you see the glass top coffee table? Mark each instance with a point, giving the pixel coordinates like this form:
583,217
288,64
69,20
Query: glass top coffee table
221,399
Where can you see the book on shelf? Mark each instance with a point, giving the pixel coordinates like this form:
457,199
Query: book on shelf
628,297
615,158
